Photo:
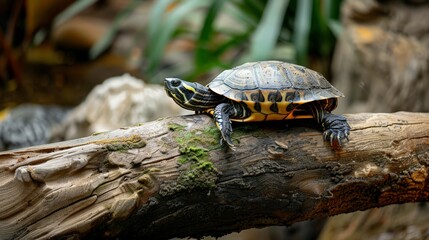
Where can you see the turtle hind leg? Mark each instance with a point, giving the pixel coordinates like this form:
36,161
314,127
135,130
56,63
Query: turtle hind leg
335,127
222,114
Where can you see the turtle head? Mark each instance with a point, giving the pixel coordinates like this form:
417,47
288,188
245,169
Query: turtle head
191,96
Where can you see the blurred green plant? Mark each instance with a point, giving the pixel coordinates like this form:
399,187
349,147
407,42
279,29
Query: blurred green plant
222,33
293,31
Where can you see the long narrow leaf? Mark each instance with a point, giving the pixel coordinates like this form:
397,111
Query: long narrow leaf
255,7
155,17
336,27
203,53
267,33
331,12
319,32
232,42
238,13
107,39
302,30
72,11
166,30
154,28
331,8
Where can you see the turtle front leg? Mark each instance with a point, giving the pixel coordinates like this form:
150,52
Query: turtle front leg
221,115
335,127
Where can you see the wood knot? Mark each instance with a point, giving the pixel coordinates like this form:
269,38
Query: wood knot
419,175
367,170
277,150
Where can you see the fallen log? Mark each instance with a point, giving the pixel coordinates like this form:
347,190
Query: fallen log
172,178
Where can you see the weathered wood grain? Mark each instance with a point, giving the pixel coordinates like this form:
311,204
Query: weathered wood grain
171,178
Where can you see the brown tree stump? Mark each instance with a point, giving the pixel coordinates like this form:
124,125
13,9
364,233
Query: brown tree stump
171,178
381,60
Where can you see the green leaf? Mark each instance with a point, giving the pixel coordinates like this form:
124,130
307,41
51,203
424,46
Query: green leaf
331,10
203,53
70,11
165,29
232,42
255,7
155,17
302,30
336,27
237,12
107,39
265,37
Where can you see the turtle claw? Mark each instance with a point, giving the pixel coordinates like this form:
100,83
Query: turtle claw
229,143
232,147
326,135
226,132
337,130
221,116
346,134
335,137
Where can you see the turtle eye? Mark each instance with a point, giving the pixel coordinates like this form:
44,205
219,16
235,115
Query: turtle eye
175,82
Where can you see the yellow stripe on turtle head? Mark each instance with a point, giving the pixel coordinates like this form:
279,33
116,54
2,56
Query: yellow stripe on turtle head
188,87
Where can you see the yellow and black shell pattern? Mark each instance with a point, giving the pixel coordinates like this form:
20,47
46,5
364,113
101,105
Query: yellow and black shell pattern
274,90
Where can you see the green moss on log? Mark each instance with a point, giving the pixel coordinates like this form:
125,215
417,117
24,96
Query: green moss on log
196,169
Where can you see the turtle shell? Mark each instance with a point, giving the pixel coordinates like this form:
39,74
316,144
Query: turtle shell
269,86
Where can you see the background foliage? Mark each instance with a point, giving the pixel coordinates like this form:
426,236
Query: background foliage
192,39
294,31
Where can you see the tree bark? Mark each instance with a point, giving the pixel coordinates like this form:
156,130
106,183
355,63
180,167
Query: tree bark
172,178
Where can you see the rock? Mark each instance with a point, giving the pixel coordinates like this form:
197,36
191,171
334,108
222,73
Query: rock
118,102
29,125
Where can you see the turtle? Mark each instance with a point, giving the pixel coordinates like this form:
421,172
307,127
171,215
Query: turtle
264,91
